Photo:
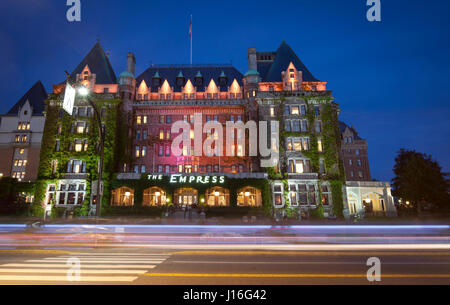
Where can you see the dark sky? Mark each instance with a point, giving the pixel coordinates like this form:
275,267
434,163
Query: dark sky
391,78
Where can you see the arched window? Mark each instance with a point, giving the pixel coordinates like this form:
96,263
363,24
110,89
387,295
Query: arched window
249,196
154,196
217,196
123,196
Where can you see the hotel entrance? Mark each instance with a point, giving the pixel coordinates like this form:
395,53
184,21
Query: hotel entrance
186,196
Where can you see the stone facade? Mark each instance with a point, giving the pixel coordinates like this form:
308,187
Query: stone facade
21,131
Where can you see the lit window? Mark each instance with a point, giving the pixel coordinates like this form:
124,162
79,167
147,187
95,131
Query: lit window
137,151
297,145
272,111
289,144
240,150
319,145
78,146
138,120
277,194
299,167
294,110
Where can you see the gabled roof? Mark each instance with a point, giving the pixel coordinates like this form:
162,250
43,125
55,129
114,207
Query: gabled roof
271,71
343,126
99,64
190,72
36,97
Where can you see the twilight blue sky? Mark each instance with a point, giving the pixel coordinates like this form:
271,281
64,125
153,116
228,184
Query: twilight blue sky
391,78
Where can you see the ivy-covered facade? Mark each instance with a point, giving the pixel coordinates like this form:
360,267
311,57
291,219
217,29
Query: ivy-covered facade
69,162
308,180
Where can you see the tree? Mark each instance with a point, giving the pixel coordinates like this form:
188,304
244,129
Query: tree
418,178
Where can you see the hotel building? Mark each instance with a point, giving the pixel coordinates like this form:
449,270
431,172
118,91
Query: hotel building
143,175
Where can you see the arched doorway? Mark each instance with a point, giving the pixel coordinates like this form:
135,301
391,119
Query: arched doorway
352,200
186,196
374,204
122,196
249,196
217,196
154,196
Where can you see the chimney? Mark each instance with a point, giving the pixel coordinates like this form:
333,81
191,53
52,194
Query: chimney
131,62
252,65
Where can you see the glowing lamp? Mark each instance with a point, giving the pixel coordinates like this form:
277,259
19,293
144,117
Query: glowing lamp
157,194
202,200
83,91
216,194
127,194
367,200
247,194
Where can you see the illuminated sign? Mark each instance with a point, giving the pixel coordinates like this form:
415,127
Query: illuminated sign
69,99
189,179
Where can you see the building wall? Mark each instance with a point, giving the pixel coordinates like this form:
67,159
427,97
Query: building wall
352,153
377,193
153,141
11,143
6,160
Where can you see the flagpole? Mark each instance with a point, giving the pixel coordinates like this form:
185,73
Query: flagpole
191,38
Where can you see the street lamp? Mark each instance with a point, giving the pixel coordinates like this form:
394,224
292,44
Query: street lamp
85,92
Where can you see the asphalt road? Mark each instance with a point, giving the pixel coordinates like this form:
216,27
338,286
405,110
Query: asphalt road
221,256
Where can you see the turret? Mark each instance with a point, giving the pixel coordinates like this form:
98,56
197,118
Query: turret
127,83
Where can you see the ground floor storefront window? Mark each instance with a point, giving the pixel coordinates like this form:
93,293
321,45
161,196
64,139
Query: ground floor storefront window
123,196
154,196
66,192
217,196
249,196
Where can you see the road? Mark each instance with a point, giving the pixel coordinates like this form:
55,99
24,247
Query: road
250,255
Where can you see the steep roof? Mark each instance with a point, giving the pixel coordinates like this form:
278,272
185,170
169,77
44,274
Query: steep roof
99,64
190,72
36,97
271,71
343,126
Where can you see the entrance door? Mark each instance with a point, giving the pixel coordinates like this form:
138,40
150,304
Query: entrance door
186,196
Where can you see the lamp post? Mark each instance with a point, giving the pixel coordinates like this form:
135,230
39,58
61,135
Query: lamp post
84,92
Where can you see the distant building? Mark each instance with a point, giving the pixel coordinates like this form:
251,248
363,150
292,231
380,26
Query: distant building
354,154
363,196
21,130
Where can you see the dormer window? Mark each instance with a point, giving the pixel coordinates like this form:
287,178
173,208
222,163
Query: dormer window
156,80
180,79
222,79
198,80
